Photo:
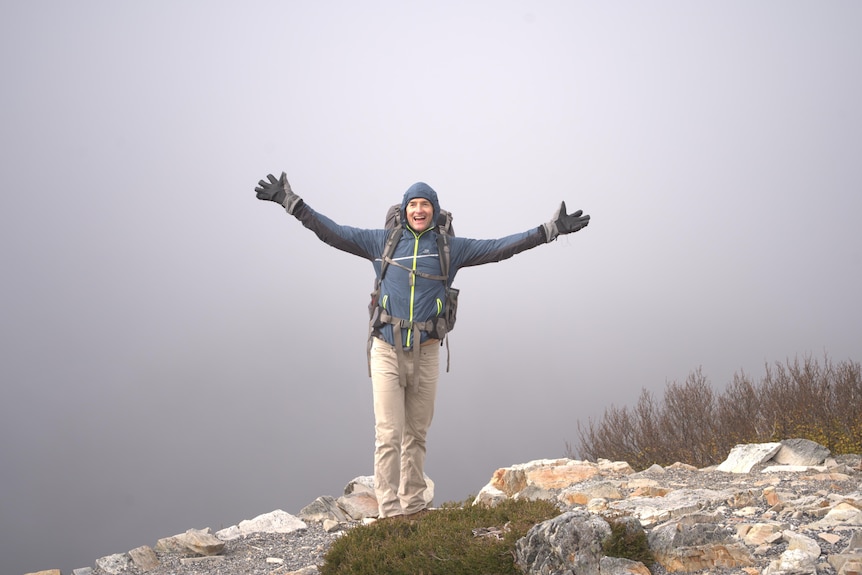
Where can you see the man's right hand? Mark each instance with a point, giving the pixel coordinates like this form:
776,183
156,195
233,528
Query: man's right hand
272,190
278,191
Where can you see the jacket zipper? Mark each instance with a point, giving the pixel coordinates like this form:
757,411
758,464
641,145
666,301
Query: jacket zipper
413,283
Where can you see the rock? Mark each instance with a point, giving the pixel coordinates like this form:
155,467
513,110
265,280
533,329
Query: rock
842,514
651,510
361,484
800,452
695,542
542,473
581,495
620,566
614,468
114,564
490,496
567,544
48,572
83,571
846,563
310,570
792,561
760,533
537,479
277,521
322,508
799,541
198,541
202,560
359,504
743,458
144,558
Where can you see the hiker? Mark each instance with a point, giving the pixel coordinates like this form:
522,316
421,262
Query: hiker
410,319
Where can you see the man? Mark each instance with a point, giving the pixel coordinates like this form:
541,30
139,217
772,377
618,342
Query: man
404,357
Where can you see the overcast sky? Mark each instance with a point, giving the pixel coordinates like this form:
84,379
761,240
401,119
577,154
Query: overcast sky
178,354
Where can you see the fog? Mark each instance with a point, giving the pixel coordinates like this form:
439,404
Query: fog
177,354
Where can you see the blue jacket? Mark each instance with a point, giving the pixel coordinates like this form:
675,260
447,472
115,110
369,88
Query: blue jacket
427,299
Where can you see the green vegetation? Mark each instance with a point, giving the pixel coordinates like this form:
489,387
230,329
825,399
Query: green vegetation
820,401
628,540
441,542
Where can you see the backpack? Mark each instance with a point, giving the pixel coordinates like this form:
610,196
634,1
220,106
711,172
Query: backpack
439,327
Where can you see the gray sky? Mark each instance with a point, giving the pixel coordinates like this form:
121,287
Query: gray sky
177,354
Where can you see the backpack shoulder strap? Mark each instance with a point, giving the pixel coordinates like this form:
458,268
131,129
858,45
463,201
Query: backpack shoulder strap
389,250
445,256
385,260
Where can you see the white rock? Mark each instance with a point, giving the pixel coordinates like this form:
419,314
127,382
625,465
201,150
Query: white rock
798,541
277,521
745,456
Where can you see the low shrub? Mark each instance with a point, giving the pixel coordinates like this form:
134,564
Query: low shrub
694,424
628,540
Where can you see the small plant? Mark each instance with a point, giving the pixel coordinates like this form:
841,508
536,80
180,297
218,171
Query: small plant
627,540
442,542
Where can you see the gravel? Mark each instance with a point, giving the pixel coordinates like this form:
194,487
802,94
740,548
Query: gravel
255,554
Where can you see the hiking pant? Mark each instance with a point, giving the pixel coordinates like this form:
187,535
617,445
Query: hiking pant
402,416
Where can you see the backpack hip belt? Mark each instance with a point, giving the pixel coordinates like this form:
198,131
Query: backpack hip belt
436,328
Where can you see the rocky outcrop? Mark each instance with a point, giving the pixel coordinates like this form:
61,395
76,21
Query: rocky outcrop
772,509
750,514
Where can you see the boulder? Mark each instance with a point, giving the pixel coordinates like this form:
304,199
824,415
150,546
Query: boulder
567,544
800,452
743,458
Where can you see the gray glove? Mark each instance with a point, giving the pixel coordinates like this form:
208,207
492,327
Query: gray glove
563,223
278,191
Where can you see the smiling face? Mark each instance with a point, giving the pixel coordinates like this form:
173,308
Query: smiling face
420,214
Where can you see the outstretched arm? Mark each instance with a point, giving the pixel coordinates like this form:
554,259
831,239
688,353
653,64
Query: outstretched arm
363,243
472,252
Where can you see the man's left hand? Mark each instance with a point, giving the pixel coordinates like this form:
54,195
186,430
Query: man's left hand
564,223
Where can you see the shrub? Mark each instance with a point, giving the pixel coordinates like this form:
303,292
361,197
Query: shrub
628,540
693,424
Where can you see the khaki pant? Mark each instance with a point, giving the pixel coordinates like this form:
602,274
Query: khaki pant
402,416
